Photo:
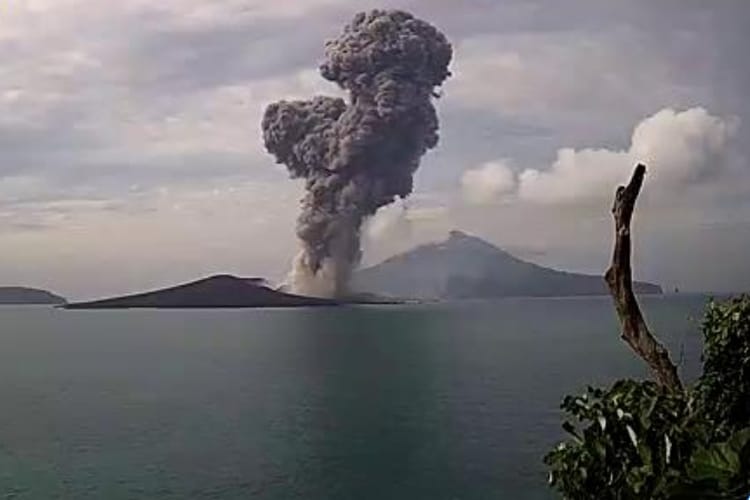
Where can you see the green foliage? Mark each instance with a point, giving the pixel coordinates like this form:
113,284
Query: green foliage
721,470
723,391
634,442
637,440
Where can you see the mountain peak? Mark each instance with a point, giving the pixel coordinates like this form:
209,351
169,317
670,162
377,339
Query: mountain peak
18,295
457,235
460,241
466,266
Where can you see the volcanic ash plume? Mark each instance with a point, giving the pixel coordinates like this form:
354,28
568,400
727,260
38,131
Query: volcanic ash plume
360,155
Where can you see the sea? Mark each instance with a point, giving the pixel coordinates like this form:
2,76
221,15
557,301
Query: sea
454,401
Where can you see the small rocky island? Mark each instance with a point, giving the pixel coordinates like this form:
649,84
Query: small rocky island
18,295
221,291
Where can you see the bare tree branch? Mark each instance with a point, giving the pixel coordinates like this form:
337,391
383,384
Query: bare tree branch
635,331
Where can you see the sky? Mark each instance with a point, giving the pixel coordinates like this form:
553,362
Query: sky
131,155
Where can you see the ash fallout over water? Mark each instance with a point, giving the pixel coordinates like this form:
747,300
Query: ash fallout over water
359,154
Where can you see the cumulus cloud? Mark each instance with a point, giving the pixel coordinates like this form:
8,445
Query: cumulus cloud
401,220
390,222
488,183
681,148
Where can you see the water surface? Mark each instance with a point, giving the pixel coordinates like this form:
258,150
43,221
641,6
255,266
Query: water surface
448,401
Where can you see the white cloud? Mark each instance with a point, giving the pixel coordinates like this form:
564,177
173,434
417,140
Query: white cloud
683,147
679,148
390,222
488,183
400,220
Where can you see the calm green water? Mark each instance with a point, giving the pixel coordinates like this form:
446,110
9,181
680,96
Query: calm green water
455,401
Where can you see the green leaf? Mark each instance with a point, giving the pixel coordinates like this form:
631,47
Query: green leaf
719,462
570,429
740,440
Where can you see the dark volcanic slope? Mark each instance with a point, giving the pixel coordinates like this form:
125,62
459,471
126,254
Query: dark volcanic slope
216,291
464,267
16,295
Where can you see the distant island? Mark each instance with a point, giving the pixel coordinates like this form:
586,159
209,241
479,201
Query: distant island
18,295
461,267
467,267
215,291
221,291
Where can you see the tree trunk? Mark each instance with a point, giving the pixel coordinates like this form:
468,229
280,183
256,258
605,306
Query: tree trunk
635,331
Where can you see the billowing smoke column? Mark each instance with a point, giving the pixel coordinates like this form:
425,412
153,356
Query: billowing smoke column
360,155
